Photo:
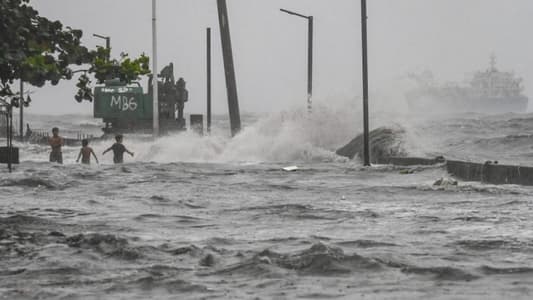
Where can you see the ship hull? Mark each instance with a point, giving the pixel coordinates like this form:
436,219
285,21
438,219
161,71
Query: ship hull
517,104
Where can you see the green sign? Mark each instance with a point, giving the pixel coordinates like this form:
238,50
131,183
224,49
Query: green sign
121,102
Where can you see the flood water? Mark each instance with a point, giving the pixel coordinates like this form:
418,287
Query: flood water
212,218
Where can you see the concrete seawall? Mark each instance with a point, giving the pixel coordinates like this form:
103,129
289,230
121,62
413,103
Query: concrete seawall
490,173
414,161
468,171
386,148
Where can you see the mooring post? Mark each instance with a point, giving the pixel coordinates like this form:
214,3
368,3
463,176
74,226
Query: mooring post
366,139
208,57
229,68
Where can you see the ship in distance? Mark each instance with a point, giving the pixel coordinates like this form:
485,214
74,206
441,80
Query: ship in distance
489,92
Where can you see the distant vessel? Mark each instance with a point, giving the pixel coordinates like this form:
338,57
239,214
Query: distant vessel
489,91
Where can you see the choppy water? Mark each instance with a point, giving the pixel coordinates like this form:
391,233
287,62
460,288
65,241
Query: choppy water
209,217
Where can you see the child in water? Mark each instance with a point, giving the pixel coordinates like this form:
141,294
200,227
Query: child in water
56,142
118,150
85,153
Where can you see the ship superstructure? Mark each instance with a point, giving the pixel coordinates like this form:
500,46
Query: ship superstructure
489,91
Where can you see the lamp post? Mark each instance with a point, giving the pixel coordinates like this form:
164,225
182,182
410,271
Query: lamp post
208,63
309,55
155,82
366,140
107,43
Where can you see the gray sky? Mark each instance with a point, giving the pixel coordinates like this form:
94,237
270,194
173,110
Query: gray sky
449,37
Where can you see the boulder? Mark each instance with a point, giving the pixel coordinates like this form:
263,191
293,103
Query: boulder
385,143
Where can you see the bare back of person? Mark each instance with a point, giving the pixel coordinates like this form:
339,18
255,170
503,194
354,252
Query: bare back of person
86,155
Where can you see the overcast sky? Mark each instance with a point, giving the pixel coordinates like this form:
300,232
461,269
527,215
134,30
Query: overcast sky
449,37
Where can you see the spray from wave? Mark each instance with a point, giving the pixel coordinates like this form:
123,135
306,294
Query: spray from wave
296,136
279,137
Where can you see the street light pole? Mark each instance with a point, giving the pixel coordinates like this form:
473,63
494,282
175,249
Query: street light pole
310,63
208,63
107,43
155,82
366,139
309,55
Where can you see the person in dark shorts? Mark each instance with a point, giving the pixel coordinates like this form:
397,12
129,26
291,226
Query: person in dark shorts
118,150
85,153
56,142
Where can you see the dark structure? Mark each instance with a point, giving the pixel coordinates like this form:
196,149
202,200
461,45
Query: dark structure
229,68
182,96
172,98
366,127
9,154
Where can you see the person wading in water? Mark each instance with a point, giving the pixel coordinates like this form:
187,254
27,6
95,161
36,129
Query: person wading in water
56,142
85,153
118,150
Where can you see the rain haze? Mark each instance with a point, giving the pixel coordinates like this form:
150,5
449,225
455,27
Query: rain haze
434,201
452,38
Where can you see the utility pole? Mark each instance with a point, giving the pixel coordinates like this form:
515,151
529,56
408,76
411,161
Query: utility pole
155,82
366,139
229,68
310,25
208,57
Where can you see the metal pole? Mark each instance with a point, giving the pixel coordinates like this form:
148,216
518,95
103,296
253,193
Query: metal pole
229,68
107,44
310,65
9,136
21,103
155,82
208,54
365,84
108,47
310,25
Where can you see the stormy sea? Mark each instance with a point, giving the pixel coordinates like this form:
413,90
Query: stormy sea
214,217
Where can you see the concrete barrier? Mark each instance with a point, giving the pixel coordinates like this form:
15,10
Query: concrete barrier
414,161
491,173
488,172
